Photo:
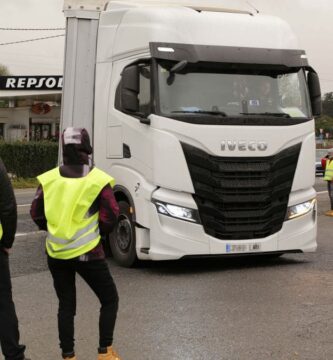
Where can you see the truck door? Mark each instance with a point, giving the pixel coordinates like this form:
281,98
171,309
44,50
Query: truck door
127,137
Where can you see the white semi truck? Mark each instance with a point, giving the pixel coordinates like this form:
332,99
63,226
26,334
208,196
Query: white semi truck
203,114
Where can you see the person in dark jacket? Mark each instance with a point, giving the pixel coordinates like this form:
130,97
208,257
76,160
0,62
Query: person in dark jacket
76,205
9,331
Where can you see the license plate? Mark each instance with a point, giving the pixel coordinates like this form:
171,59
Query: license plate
242,248
254,247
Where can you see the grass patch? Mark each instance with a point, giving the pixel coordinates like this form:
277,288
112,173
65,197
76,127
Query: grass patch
24,183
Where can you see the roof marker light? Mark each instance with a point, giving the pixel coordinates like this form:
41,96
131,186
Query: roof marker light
165,49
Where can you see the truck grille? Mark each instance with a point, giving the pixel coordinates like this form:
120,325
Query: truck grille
242,197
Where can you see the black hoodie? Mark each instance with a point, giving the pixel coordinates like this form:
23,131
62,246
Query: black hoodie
8,210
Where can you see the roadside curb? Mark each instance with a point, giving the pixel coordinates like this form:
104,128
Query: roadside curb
25,190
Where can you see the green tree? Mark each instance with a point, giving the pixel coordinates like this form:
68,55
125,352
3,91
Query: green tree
328,104
4,70
324,122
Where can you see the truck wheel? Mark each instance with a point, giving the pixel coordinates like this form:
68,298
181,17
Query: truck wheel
122,239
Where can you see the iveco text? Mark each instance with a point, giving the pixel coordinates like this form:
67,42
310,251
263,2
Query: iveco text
244,145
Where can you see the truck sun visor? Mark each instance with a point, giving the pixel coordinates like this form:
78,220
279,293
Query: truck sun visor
228,54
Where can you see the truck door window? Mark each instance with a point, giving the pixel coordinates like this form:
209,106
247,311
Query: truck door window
144,96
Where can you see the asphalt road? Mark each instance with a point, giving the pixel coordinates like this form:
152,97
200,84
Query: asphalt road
24,198
222,309
320,184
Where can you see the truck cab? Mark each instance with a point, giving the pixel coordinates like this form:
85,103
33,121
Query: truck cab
204,116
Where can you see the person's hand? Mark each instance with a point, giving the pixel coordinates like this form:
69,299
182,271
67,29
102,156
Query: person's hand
6,250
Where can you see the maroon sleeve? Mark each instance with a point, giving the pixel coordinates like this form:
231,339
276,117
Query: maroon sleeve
37,209
108,210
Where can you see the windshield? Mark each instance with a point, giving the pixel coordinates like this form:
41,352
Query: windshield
213,90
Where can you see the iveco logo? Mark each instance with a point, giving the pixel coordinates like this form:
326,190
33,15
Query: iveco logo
244,145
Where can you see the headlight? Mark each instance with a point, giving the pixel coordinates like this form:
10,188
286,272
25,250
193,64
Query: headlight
176,211
300,209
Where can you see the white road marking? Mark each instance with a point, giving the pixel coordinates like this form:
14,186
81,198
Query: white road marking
29,233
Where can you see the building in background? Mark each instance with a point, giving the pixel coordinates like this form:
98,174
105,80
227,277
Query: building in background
30,108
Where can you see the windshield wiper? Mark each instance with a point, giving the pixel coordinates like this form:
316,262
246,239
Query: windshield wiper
216,113
277,114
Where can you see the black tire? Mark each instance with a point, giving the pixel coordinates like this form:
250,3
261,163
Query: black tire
122,239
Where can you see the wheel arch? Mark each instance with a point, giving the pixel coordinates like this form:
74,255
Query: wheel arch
122,194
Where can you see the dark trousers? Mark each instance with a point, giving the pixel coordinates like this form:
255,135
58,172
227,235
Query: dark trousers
9,332
97,275
330,192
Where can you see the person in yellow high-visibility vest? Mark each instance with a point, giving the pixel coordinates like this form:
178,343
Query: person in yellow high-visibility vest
75,204
329,177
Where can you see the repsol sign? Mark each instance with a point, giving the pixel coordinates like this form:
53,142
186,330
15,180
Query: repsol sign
30,82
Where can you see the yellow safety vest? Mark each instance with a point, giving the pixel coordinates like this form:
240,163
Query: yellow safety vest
329,170
71,230
1,231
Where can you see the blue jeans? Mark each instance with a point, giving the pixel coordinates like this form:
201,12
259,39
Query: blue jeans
9,332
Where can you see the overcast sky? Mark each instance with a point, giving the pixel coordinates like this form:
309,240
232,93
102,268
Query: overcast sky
311,20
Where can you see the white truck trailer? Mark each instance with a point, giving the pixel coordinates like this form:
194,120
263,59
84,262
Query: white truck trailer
204,116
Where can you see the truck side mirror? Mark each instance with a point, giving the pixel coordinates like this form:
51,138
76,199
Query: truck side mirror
315,93
130,88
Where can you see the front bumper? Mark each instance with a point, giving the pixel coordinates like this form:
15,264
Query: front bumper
172,239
